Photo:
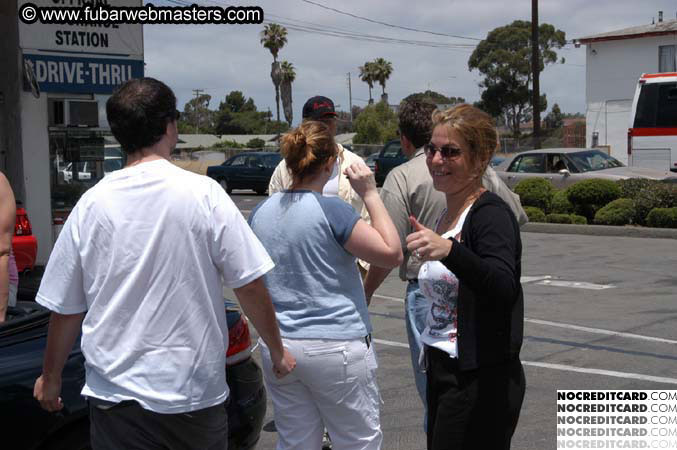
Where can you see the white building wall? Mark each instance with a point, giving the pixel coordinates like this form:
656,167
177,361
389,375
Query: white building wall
612,71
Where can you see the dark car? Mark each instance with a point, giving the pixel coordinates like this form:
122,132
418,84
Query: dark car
390,156
22,344
247,170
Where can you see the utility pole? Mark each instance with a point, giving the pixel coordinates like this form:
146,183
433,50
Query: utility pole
197,93
535,68
350,101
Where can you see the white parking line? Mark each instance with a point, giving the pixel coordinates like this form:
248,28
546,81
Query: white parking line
391,343
600,331
608,373
576,284
532,279
392,299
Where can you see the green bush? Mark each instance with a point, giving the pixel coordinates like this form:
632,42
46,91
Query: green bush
256,143
578,220
657,195
560,203
588,196
632,186
662,218
536,192
558,218
618,212
534,214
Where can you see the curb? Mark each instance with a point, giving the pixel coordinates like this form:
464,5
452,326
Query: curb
600,230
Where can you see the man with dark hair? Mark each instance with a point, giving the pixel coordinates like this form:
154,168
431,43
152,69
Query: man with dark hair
408,191
141,263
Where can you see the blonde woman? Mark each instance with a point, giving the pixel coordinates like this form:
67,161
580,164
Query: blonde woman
319,299
471,278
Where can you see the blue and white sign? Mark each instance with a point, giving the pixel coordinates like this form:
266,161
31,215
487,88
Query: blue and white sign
82,75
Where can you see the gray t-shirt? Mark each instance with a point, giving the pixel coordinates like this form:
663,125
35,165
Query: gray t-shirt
315,286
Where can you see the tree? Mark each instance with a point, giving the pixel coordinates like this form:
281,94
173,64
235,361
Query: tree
383,69
274,37
239,116
196,117
504,58
554,119
376,124
368,75
433,97
288,77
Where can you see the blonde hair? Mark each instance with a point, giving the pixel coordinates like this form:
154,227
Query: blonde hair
477,129
307,148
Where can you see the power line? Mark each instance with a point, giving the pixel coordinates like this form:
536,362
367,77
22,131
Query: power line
337,32
388,24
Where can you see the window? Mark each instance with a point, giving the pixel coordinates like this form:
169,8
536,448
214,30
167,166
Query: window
392,151
657,106
271,161
528,164
238,161
666,58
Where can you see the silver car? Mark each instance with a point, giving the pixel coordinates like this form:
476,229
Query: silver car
566,166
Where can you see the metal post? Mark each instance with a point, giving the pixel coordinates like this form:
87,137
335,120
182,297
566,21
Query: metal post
350,101
197,93
535,67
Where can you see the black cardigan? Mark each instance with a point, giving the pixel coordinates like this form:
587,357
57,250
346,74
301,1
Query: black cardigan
487,263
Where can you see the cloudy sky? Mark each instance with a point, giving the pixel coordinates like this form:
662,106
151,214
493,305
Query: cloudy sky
222,58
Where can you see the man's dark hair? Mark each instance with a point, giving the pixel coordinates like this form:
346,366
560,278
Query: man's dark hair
139,111
416,121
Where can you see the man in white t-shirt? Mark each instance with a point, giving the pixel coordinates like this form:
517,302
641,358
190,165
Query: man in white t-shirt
141,263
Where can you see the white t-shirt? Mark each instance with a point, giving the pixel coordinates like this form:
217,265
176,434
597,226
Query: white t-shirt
331,188
439,285
146,253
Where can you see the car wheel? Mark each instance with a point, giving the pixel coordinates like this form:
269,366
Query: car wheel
224,185
260,191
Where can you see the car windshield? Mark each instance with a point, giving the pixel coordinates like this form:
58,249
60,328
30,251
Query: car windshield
591,160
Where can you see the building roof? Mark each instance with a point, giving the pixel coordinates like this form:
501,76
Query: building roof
187,141
658,29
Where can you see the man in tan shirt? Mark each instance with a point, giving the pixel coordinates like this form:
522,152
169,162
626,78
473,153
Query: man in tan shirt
408,190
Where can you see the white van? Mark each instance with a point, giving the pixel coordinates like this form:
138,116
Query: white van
652,136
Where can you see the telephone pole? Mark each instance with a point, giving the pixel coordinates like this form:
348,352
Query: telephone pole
350,101
535,68
197,93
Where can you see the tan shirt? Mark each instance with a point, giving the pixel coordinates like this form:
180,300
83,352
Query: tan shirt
408,190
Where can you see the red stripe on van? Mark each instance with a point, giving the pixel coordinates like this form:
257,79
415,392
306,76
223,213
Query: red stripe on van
660,75
653,131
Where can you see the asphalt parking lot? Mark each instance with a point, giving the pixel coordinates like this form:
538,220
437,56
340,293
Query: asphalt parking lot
600,314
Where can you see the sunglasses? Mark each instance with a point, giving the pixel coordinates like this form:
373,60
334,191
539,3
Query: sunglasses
446,151
176,116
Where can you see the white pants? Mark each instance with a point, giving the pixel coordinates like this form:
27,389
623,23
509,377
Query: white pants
333,386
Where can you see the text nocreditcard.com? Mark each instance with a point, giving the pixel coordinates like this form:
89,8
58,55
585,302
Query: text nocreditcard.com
89,13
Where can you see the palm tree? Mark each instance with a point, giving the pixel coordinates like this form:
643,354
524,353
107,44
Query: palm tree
288,77
383,69
273,37
367,74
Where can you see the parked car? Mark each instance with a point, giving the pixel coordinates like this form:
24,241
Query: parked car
24,244
247,170
496,160
371,161
22,344
566,166
389,157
